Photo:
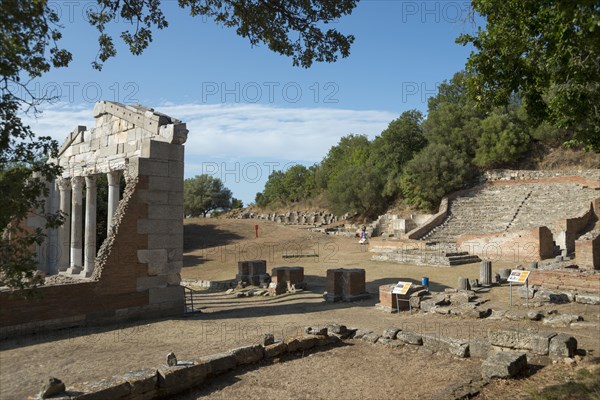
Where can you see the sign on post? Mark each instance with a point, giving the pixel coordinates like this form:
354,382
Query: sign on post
402,288
518,276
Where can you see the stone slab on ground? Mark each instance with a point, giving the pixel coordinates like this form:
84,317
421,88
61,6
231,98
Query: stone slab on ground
562,345
505,364
536,342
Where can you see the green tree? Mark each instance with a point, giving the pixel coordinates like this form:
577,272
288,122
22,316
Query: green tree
236,203
504,139
434,172
358,188
29,36
395,146
548,52
28,43
203,194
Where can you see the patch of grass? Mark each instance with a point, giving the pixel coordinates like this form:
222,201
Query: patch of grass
585,386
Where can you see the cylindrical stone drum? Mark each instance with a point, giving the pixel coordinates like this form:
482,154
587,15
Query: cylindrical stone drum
485,273
463,283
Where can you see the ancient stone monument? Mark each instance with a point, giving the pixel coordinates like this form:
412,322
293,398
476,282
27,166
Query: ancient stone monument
252,272
346,284
136,271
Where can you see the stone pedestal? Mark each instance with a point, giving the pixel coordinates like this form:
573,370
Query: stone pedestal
252,272
388,300
292,277
346,285
463,283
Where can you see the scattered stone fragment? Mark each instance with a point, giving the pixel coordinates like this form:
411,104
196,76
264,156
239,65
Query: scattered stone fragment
267,339
316,330
505,364
360,333
390,333
371,337
563,320
410,338
171,359
562,345
534,315
229,291
53,387
588,299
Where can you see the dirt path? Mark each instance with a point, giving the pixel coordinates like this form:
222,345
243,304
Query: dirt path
212,250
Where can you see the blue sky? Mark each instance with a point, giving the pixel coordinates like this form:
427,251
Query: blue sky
248,110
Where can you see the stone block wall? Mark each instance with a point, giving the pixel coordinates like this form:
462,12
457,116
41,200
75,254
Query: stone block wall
136,271
587,250
520,246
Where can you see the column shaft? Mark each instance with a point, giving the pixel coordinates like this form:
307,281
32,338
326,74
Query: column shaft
90,225
114,178
76,219
64,238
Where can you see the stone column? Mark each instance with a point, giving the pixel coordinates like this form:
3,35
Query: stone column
76,219
485,273
90,226
64,238
114,178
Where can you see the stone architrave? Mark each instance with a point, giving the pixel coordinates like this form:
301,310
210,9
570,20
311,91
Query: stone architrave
64,188
90,226
114,178
76,225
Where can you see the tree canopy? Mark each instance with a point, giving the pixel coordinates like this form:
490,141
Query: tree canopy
203,194
546,51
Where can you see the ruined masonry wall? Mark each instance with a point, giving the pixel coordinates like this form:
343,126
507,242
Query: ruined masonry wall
137,269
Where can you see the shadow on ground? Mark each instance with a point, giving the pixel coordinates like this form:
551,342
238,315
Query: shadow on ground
203,237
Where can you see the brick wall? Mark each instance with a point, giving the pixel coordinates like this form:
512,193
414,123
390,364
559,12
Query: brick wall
588,253
520,246
575,281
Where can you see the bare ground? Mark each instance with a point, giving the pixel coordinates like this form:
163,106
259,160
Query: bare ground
212,249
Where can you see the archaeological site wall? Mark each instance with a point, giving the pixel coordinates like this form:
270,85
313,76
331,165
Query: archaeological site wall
136,271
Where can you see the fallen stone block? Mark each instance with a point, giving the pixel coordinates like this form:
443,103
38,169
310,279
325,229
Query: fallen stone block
534,315
536,342
248,354
409,338
562,345
220,362
327,340
480,348
563,320
371,337
390,333
172,380
293,345
453,346
526,292
308,342
360,333
505,364
267,339
275,350
587,299
315,330
53,387
142,382
389,342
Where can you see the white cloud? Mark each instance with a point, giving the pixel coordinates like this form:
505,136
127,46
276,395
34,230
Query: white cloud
241,130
